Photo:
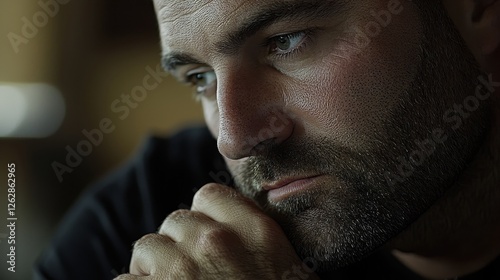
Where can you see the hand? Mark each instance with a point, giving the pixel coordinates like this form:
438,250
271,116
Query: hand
223,236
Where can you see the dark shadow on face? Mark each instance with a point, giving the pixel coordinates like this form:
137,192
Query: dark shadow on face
356,211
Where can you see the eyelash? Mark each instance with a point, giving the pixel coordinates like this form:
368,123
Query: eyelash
302,45
196,93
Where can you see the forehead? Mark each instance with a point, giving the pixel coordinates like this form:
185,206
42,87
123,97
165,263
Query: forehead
180,20
172,10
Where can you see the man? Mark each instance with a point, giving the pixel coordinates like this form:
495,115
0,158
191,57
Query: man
361,136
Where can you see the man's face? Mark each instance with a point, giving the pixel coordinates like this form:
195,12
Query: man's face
348,101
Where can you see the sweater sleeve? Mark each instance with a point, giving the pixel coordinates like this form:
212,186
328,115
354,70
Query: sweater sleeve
94,240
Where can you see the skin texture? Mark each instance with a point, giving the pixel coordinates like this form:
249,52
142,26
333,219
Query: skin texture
351,117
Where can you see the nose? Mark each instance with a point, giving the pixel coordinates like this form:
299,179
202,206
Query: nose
252,113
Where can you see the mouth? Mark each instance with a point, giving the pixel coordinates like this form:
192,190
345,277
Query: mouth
286,187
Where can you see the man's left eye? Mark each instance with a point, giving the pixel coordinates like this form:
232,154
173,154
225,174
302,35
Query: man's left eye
287,43
201,80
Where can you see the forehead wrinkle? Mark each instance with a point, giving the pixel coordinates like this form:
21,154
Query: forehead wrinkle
234,11
165,11
173,29
177,32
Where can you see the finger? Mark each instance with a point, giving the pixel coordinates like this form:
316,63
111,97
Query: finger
201,236
229,207
185,225
150,253
212,197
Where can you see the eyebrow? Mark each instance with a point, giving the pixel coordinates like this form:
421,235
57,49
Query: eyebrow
173,60
290,10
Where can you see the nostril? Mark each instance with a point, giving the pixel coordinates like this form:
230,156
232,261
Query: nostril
263,147
252,142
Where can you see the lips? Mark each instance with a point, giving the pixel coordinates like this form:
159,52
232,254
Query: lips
288,186
284,182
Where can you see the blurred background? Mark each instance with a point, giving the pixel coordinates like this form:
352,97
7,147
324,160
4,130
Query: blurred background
64,66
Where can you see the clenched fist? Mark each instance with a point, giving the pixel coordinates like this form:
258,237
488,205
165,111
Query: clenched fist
223,236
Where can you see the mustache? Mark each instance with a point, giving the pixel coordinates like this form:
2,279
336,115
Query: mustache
305,156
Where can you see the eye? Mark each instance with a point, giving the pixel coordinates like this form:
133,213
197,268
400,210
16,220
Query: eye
201,80
286,43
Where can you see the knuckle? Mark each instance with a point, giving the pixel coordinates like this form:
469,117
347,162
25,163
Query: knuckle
212,193
148,242
150,258
214,190
179,215
218,241
207,194
209,190
176,217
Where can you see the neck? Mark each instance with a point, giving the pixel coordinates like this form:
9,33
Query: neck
460,233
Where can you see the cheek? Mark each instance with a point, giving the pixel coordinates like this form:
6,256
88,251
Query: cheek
351,93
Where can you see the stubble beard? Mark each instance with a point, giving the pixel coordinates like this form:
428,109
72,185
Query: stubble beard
356,211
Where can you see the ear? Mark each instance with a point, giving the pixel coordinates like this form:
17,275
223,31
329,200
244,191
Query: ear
479,23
